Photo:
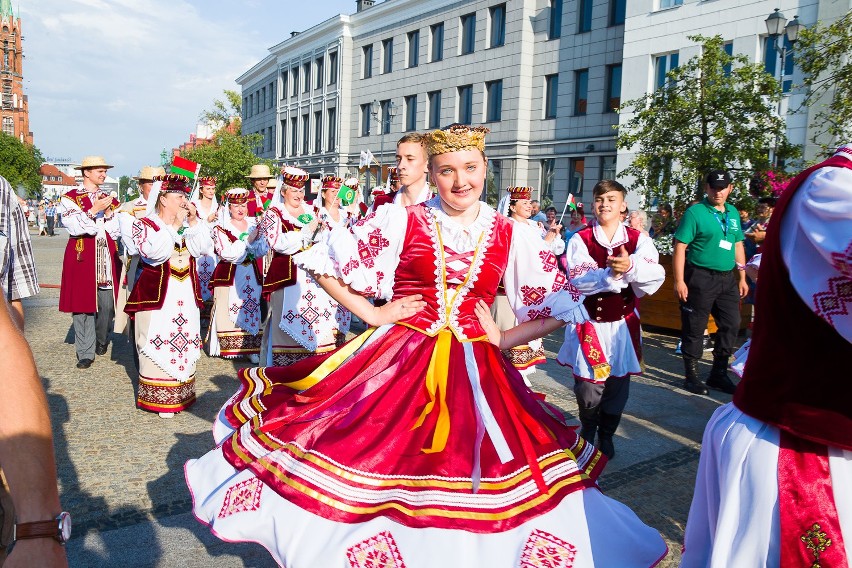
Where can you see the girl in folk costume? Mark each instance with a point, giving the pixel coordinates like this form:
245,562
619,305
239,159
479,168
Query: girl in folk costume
518,207
331,214
417,443
236,320
165,300
613,266
304,319
204,199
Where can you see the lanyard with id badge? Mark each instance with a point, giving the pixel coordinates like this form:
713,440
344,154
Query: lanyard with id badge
724,244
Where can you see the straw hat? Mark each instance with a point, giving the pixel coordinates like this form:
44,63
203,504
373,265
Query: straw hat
159,171
93,162
260,171
148,173
273,184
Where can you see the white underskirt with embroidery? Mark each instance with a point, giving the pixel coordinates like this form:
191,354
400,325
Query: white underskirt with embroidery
734,519
586,529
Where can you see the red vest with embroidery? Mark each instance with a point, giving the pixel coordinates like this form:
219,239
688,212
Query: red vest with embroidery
383,199
795,376
282,269
149,291
223,274
609,306
255,209
79,290
418,263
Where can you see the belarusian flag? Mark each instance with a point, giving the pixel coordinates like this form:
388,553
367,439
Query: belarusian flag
185,167
346,194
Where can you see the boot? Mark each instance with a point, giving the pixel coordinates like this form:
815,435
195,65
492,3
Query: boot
606,430
718,378
589,420
691,382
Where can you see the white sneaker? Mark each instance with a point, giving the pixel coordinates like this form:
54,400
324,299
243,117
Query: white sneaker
254,358
677,349
167,414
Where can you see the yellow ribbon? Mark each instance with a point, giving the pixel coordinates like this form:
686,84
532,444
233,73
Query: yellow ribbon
436,385
332,363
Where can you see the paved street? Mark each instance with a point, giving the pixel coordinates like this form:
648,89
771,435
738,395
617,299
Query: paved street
121,469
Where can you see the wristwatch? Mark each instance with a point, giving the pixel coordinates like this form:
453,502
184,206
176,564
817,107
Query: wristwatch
58,528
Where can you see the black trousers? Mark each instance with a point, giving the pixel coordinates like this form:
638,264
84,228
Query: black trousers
50,223
610,396
710,292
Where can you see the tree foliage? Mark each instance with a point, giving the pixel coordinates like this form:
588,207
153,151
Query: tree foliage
224,113
824,54
716,111
229,157
19,164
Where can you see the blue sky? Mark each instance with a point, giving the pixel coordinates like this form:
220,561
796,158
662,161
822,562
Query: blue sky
127,78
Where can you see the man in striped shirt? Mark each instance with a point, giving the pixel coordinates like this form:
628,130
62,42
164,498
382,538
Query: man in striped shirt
18,276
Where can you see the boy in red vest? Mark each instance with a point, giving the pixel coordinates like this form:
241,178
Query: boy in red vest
613,266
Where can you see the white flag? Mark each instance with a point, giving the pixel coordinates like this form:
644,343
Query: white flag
370,158
363,161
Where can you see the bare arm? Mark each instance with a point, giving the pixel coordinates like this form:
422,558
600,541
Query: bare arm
740,259
26,446
678,263
518,335
361,306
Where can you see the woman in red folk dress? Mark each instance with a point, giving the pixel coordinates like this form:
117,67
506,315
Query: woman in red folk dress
417,443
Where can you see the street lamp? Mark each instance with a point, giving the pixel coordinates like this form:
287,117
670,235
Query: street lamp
384,123
777,27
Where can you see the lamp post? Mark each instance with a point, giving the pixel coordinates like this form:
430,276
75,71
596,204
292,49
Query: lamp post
384,124
777,27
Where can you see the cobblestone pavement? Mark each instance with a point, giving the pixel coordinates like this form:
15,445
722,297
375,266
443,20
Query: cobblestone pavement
121,469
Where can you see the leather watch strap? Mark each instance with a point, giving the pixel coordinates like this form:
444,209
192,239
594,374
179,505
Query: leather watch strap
38,529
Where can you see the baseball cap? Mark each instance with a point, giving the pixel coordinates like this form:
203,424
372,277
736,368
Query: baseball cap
718,179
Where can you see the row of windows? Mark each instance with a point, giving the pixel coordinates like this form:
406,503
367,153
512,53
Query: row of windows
467,41
581,91
301,78
617,10
257,102
303,140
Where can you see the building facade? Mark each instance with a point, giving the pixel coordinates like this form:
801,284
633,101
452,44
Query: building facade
14,107
543,75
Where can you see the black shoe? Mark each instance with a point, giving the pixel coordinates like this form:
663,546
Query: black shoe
721,383
101,348
708,343
691,382
84,363
694,388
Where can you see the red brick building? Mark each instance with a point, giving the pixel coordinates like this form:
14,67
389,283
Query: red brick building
14,107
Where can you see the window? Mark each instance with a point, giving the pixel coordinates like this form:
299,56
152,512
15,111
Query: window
771,60
498,25
295,82
294,136
365,119
613,88
608,167
466,104
332,68
386,116
411,112
271,90
551,94
9,125
284,76
547,171
413,48
434,109
257,102
317,132
670,3
270,135
729,49
437,41
318,77
617,10
494,92
306,139
246,107
584,16
368,61
494,187
331,125
282,150
581,91
468,33
251,105
306,78
575,177
387,55
263,98
662,65
555,29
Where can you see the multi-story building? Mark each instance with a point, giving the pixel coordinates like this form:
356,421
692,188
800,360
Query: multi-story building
543,75
14,107
656,39
54,182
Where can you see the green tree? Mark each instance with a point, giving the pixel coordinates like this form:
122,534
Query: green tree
20,163
123,185
716,111
225,113
824,53
229,157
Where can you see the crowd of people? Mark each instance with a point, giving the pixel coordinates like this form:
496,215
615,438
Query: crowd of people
420,439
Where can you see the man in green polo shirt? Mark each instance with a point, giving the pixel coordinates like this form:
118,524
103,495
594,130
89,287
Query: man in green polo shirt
709,274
